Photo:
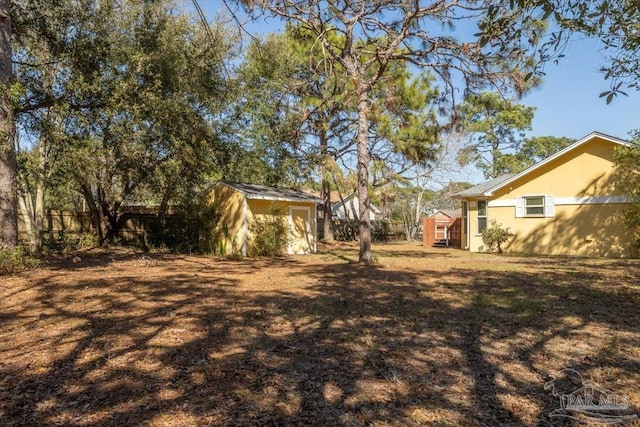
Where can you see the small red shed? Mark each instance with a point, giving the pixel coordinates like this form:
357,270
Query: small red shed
443,229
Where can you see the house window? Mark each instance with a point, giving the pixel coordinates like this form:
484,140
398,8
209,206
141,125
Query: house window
534,206
482,215
465,214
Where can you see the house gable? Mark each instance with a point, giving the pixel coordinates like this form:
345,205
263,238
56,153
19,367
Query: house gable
587,170
339,209
599,144
448,213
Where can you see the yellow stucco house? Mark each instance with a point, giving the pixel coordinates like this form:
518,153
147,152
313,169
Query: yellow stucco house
239,204
566,204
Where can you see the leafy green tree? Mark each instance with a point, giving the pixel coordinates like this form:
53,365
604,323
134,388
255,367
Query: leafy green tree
142,89
38,117
267,117
404,130
496,125
402,120
289,82
531,151
617,24
374,35
627,181
328,114
159,82
408,207
538,148
442,199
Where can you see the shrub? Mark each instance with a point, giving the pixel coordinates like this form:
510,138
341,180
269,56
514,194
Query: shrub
88,241
495,236
270,233
69,242
195,228
212,235
216,237
13,261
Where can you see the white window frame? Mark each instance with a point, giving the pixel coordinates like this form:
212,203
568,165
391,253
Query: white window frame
548,206
465,217
486,215
537,207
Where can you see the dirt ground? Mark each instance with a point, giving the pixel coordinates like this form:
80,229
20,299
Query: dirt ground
425,337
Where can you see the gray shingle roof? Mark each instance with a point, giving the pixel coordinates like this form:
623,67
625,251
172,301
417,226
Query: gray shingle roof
451,213
263,192
483,187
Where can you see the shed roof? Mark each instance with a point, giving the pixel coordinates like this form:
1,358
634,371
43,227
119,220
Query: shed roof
451,213
263,192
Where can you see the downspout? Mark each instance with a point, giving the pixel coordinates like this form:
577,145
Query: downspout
466,236
315,227
245,233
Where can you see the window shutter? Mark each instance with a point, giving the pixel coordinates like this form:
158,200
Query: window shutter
519,207
549,207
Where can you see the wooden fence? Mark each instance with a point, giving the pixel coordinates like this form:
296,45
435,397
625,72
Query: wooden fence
140,227
347,230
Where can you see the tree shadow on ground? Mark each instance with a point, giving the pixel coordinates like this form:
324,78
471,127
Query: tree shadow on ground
305,341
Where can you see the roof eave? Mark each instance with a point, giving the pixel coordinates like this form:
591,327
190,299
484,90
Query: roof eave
253,196
470,196
280,199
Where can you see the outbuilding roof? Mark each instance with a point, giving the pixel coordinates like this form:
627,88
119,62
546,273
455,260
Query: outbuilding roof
263,192
451,213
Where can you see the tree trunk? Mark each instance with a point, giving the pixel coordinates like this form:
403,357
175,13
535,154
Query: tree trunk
32,205
110,221
327,214
38,211
94,212
26,206
164,205
365,256
326,191
8,166
33,215
417,218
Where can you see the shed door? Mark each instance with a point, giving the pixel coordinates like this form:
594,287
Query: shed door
301,235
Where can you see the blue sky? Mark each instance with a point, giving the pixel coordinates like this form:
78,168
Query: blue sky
567,104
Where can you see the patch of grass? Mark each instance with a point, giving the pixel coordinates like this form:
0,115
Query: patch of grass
512,303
